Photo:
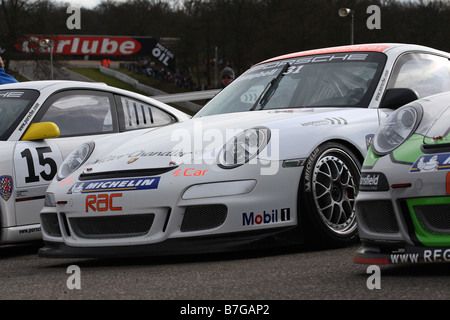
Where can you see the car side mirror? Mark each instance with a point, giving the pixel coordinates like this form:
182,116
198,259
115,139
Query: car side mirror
394,98
41,130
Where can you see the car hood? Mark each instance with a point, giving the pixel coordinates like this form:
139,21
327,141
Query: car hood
203,137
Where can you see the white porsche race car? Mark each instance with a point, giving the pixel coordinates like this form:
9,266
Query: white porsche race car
273,159
41,122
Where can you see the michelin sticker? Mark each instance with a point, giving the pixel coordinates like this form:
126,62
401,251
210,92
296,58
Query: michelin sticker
432,162
115,185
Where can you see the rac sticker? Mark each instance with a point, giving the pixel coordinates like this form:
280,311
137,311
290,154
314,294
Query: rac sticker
102,202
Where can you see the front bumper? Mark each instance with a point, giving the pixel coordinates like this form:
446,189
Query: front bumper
403,216
180,246
205,213
371,254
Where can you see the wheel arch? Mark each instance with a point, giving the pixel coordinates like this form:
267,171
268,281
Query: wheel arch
359,157
356,151
352,147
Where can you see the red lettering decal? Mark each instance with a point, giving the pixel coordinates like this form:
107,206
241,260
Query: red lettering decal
189,172
66,181
111,207
90,201
102,202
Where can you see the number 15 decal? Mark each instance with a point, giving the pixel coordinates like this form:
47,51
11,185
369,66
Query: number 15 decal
36,163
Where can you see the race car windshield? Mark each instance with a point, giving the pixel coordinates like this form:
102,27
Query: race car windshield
13,106
332,80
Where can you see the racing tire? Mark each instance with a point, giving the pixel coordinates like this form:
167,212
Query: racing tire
327,193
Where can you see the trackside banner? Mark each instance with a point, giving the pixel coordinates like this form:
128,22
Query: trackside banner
97,45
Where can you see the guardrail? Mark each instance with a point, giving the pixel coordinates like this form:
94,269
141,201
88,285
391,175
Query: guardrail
183,100
188,96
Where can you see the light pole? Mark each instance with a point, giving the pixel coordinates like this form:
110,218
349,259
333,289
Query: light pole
48,44
343,12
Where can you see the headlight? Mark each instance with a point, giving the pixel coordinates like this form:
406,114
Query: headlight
243,147
49,200
396,128
75,159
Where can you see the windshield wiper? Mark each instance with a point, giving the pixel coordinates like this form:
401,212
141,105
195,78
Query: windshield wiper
270,89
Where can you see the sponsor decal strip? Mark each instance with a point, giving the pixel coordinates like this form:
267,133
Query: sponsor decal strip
432,162
326,121
416,255
250,219
428,255
375,181
375,48
115,185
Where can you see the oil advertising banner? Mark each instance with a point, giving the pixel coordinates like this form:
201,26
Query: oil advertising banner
105,46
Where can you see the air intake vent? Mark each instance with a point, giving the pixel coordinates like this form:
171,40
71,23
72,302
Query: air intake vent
50,224
378,216
203,217
112,227
434,218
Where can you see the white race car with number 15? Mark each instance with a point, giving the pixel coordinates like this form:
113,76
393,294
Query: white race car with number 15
41,122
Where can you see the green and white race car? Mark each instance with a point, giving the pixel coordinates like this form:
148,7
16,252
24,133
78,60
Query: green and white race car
403,207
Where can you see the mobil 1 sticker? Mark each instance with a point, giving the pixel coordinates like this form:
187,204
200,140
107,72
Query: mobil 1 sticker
36,163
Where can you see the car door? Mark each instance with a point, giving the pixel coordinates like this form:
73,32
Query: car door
81,116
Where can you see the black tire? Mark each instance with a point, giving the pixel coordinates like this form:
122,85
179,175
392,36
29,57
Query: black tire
328,189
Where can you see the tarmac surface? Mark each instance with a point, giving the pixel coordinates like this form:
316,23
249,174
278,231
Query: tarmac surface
269,275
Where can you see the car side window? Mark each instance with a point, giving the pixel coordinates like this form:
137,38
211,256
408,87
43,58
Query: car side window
426,74
81,113
138,115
